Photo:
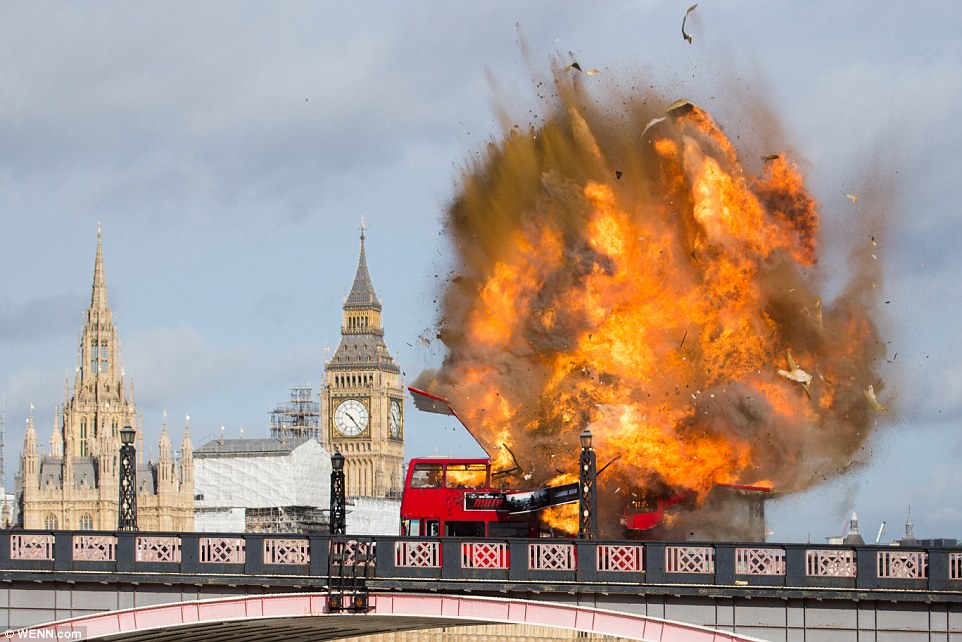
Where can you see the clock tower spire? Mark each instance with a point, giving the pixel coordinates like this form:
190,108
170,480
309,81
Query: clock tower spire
362,399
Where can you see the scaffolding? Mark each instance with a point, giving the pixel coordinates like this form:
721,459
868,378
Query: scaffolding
308,520
299,417
262,485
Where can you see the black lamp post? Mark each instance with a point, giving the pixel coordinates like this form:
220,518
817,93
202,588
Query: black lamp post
127,517
587,495
338,524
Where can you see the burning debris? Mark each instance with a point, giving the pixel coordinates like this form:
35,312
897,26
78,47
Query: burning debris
794,373
872,399
652,303
577,67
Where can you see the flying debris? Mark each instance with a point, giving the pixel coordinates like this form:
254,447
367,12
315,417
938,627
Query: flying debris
872,399
852,197
685,34
794,373
574,65
651,123
678,109
618,174
771,157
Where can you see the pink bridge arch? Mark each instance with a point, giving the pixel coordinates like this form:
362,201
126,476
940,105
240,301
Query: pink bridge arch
306,616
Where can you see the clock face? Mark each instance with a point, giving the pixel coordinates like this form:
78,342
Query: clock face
351,418
394,419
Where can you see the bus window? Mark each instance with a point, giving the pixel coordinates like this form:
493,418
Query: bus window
432,528
410,527
466,476
426,476
464,529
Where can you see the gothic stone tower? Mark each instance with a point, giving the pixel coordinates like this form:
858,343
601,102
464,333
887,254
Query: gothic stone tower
77,485
362,401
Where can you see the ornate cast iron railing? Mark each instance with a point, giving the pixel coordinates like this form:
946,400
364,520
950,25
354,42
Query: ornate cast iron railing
255,558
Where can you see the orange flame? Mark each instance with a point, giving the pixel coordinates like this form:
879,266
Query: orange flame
562,518
655,305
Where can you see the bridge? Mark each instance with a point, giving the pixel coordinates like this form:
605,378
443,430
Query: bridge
206,586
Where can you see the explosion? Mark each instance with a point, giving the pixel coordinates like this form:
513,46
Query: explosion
619,269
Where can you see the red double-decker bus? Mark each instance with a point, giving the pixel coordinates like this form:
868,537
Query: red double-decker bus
455,497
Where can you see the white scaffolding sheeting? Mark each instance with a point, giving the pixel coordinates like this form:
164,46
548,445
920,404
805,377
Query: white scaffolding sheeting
219,520
373,516
240,475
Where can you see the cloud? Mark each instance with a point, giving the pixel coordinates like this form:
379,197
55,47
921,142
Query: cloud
935,509
184,372
945,391
208,115
41,387
40,317
179,364
950,519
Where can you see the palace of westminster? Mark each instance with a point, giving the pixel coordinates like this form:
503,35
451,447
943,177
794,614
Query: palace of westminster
74,484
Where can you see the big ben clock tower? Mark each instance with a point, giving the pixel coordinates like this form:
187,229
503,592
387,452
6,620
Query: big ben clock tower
362,402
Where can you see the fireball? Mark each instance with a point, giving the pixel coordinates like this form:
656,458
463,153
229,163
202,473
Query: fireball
620,269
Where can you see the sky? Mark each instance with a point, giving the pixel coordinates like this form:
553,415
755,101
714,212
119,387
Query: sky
229,151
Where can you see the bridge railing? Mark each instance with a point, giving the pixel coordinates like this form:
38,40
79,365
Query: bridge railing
183,553
260,555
